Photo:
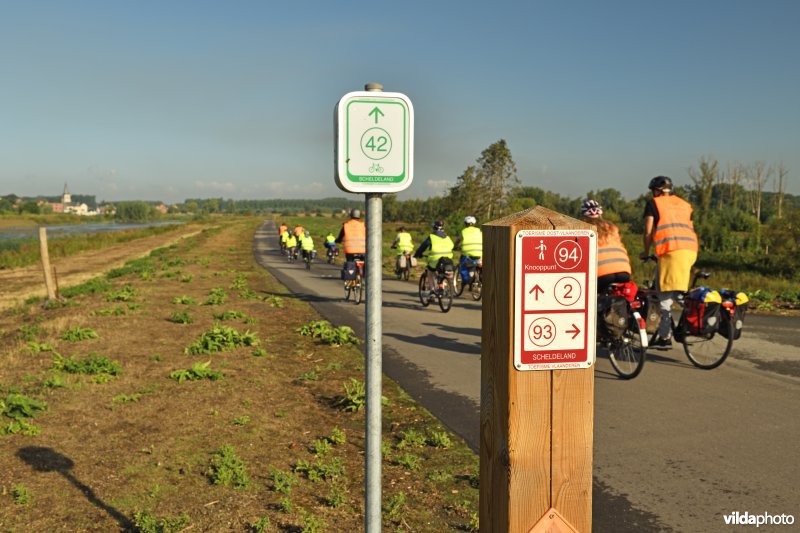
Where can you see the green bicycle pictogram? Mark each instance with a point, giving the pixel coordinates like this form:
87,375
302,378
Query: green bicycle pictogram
376,168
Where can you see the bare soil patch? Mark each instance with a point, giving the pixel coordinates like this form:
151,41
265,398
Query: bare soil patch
114,451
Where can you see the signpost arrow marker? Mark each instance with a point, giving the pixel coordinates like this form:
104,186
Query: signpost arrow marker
538,290
576,331
375,111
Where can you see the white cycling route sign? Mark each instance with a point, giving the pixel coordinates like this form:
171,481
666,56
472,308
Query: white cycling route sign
374,142
555,295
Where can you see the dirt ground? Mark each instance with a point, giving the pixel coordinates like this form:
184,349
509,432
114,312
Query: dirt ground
19,284
135,451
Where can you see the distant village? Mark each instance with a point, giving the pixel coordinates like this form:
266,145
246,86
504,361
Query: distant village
66,205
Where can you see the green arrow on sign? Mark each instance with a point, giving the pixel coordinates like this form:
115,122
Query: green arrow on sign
375,111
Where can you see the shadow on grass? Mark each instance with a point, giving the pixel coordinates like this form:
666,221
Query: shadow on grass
49,460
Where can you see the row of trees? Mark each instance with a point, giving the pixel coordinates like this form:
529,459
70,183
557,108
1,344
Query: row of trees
740,223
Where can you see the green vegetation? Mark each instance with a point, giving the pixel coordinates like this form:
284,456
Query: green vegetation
197,372
324,331
78,334
221,338
21,494
355,396
282,481
20,409
181,318
228,469
146,522
216,296
92,364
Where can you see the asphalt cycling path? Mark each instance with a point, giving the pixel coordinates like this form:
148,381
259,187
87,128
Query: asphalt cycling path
674,449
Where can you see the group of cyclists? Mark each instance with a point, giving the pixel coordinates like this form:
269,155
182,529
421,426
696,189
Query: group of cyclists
668,233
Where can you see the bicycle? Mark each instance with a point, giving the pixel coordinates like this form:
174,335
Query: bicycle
471,270
403,268
332,254
308,257
621,330
704,349
440,287
355,287
291,254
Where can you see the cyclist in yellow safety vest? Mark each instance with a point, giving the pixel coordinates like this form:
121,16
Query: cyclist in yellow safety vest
330,240
439,244
284,237
471,243
404,245
668,229
291,243
306,244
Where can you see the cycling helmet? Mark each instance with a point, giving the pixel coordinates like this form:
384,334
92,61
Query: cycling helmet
438,224
591,209
401,228
355,213
469,220
661,183
306,233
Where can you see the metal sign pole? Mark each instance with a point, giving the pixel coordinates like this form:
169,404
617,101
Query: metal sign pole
374,355
374,371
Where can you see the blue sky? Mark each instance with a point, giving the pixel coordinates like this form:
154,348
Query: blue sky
171,100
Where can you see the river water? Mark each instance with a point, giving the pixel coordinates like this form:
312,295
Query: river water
31,232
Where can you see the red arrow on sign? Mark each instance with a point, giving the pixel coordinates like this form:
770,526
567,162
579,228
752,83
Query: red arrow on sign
576,331
538,290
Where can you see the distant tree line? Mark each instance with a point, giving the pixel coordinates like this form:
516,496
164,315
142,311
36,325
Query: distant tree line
274,206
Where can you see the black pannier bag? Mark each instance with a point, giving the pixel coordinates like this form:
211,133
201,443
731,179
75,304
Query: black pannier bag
614,310
652,314
445,266
349,270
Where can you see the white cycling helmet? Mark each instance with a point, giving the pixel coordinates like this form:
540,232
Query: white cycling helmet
591,209
470,220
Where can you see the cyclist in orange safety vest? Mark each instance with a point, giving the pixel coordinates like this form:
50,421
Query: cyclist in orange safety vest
353,236
669,231
613,265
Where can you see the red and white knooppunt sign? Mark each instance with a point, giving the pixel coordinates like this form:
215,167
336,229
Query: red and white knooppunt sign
555,299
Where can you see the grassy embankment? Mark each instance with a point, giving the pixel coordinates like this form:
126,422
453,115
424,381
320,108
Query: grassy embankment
181,392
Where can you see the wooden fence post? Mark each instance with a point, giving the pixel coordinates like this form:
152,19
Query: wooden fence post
45,254
536,426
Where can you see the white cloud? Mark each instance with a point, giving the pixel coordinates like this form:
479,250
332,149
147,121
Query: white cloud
215,186
439,187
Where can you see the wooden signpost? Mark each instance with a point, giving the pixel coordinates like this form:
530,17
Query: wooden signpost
536,424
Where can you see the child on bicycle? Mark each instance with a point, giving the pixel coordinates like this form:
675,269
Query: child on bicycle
613,264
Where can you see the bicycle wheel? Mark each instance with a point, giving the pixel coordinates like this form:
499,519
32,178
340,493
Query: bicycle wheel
627,353
445,296
348,289
308,264
708,351
424,293
358,291
406,273
477,287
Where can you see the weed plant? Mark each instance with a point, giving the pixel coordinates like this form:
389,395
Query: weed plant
320,448
337,496
197,372
78,334
181,318
259,352
409,461
124,294
183,300
261,525
20,409
241,420
92,364
411,438
282,481
285,505
145,267
321,470
394,508
228,469
146,522
337,437
311,375
21,494
274,301
30,332
440,439
109,311
221,338
93,286
38,347
355,396
230,315
325,332
311,523
216,296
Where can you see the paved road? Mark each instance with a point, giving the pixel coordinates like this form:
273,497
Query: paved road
675,449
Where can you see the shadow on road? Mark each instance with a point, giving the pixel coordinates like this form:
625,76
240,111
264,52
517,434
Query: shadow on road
440,343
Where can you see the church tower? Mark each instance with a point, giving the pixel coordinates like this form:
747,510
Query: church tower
66,199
